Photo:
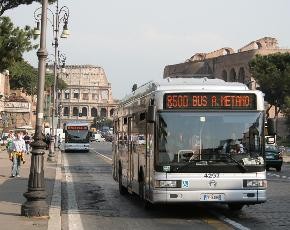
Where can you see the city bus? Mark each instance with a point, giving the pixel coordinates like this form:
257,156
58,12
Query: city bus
76,136
204,142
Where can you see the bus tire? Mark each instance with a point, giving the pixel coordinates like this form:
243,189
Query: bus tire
235,206
123,191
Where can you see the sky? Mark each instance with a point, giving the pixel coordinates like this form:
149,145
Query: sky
134,40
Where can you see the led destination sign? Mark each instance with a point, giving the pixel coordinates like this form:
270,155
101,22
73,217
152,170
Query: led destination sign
235,101
77,127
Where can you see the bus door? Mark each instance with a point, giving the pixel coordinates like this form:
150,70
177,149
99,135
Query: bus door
149,158
130,155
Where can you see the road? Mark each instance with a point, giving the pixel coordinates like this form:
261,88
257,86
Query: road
91,200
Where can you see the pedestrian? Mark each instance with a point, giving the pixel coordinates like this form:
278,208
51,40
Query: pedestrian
10,142
47,140
17,154
27,140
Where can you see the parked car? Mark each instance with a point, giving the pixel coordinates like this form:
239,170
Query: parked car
97,137
141,140
109,137
274,157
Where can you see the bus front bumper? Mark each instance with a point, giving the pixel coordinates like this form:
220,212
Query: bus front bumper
206,196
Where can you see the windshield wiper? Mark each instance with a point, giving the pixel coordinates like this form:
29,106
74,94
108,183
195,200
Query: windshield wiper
241,166
190,162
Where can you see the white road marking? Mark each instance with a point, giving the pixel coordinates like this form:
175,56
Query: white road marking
233,223
54,222
74,218
108,158
220,217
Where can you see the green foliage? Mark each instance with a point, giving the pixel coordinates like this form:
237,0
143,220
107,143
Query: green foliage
13,42
10,4
24,76
61,84
272,73
99,122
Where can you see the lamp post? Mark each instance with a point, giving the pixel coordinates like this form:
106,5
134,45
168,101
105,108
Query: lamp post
61,15
35,204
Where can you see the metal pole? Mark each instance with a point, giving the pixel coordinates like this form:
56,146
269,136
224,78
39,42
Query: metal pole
35,204
51,154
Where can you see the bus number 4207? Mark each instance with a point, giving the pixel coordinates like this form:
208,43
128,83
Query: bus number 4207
211,175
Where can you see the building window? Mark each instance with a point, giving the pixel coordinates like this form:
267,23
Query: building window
75,111
104,95
95,96
76,95
84,112
66,111
111,112
103,112
59,95
233,75
66,95
94,112
85,96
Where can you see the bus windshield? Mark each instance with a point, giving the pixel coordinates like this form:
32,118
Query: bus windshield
76,136
210,138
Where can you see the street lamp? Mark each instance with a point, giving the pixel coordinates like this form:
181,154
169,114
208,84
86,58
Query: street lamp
36,204
60,16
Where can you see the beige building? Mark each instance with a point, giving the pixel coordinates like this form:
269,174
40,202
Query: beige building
229,65
226,63
15,107
88,94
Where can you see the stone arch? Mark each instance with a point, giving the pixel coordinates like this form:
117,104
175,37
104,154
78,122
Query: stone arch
111,112
225,75
94,112
84,111
227,51
103,112
258,45
233,75
75,111
66,111
241,75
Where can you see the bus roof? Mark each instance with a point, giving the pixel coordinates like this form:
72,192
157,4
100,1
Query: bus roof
202,83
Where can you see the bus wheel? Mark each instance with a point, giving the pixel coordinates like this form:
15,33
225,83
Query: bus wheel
236,206
122,189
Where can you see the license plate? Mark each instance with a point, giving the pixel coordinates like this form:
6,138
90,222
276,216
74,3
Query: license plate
269,157
212,197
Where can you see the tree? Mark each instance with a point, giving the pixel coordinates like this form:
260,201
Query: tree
24,76
272,73
13,42
10,4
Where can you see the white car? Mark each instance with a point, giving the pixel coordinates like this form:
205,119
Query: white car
98,137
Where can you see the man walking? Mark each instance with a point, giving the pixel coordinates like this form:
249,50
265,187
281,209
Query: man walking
27,142
17,154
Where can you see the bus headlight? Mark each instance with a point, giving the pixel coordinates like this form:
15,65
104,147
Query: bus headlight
254,183
166,184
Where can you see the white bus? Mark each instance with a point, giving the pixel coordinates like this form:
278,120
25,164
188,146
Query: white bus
204,142
76,136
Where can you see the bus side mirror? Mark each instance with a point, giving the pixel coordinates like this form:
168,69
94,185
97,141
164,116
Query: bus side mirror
272,128
151,113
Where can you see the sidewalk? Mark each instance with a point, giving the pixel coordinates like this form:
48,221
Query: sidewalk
11,194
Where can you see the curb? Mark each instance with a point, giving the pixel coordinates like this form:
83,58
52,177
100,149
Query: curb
54,222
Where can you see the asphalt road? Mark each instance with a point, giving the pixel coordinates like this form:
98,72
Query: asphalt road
91,200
